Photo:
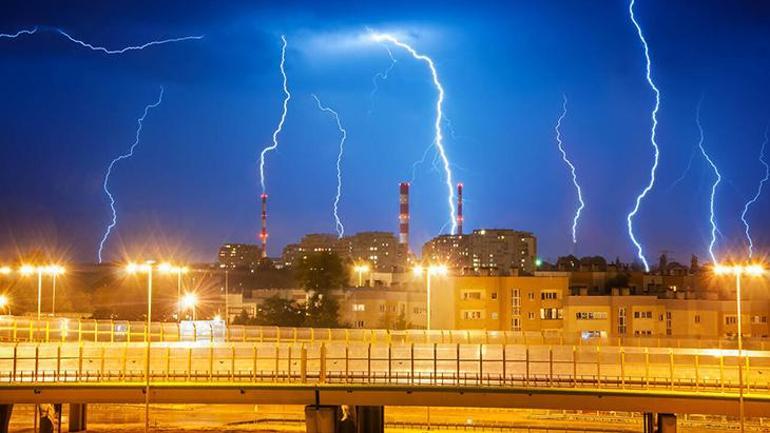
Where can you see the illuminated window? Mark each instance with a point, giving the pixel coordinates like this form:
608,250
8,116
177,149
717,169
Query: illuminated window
359,307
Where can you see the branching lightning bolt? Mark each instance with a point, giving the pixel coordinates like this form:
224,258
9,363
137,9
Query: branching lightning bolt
382,75
648,188
129,154
344,135
19,33
686,169
571,166
717,180
279,128
439,137
129,48
756,196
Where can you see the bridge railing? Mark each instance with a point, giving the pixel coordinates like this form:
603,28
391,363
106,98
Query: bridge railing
417,364
62,329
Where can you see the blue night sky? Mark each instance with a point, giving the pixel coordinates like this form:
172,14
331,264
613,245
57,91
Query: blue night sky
193,182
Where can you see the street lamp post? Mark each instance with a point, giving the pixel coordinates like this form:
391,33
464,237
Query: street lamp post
55,271
361,269
438,270
227,296
738,271
147,268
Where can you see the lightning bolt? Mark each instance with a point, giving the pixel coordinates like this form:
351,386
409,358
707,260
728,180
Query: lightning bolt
756,196
382,75
571,166
344,135
439,137
686,170
129,48
648,188
717,180
279,128
19,33
110,167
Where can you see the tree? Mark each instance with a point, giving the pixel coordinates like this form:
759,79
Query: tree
279,311
319,274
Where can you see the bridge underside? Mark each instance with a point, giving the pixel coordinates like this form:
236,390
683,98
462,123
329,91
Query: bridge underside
392,395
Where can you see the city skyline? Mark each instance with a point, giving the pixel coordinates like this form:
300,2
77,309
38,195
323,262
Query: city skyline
193,184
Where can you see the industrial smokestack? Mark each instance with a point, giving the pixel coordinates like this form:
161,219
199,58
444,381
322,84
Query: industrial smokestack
459,209
263,233
403,215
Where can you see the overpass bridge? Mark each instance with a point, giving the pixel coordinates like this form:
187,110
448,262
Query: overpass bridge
373,369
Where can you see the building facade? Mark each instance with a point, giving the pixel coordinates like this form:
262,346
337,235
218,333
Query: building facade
239,256
485,252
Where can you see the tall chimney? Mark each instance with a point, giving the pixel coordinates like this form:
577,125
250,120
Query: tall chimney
403,215
459,209
263,233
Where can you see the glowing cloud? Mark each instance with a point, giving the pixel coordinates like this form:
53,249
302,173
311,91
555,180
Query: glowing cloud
285,110
571,166
343,136
105,184
438,140
654,115
756,196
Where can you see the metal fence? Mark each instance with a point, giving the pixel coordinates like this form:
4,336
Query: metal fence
421,364
59,329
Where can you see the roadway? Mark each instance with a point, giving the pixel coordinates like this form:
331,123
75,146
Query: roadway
469,375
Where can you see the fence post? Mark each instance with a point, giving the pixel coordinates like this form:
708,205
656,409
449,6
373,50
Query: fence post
526,363
574,366
48,331
746,375
411,363
622,368
125,361
390,357
37,360
303,364
232,363
435,363
671,366
722,371
322,364
189,363
80,361
505,366
457,356
288,363
369,363
211,362
254,359
276,366
697,373
58,362
101,362
112,331
15,359
481,363
647,367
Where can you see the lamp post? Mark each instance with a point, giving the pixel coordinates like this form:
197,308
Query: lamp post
168,268
361,269
752,270
227,296
54,270
147,268
189,301
431,270
27,270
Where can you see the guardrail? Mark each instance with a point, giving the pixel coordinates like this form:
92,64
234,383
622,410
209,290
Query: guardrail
61,329
459,365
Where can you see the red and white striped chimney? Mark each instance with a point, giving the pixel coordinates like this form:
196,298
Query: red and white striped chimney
403,215
459,209
263,233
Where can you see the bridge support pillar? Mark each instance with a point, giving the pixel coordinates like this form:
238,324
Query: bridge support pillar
77,417
5,417
370,419
321,419
648,419
666,423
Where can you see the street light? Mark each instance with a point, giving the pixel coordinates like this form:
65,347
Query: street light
146,268
5,303
27,270
752,270
188,302
168,268
54,271
361,270
439,270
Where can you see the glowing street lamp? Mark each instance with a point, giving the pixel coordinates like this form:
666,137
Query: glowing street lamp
438,270
53,270
188,302
167,268
752,270
361,270
5,270
5,304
